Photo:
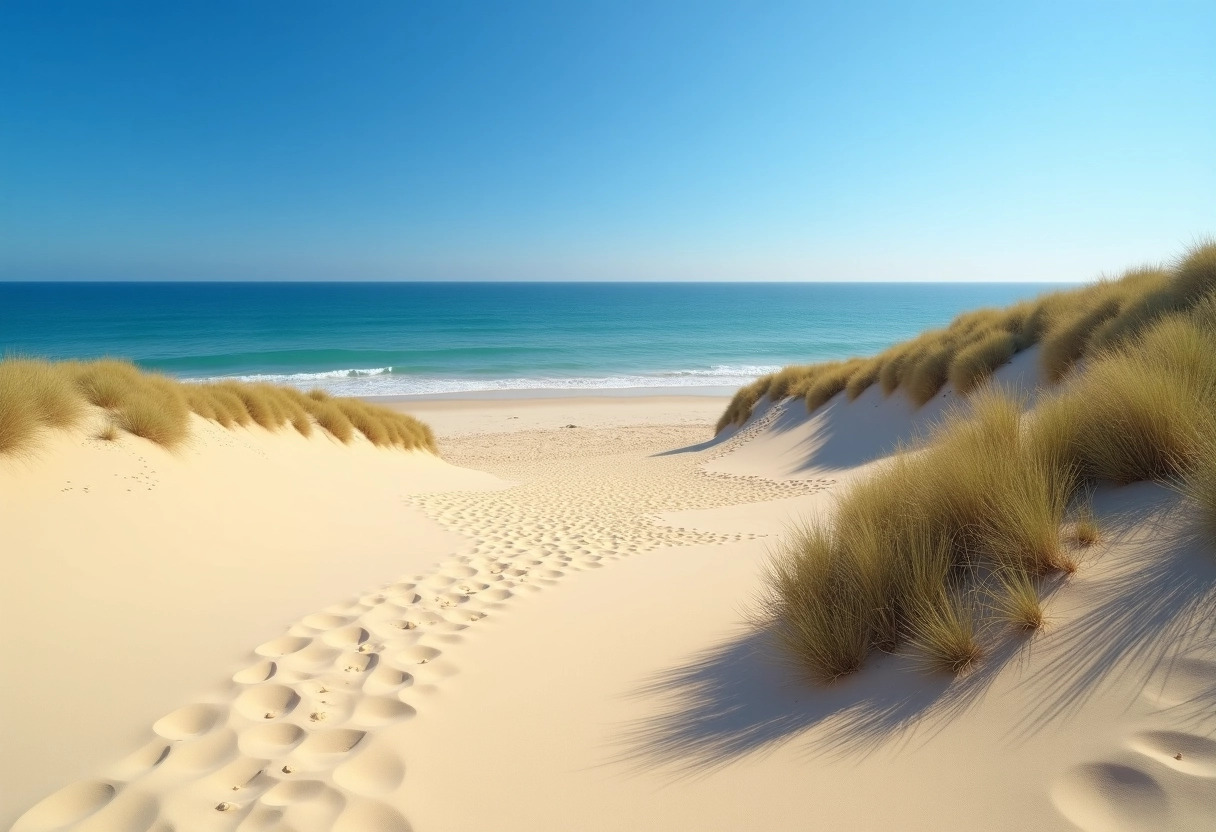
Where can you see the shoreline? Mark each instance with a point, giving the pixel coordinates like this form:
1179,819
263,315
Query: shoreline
527,394
451,417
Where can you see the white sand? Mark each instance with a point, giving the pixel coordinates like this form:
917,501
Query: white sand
582,662
135,577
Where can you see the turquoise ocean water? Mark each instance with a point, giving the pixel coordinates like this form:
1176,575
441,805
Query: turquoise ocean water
397,339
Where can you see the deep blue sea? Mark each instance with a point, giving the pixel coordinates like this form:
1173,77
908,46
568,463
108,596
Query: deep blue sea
432,338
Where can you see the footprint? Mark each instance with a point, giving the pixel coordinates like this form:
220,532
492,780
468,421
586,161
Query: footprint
258,672
1187,753
1109,797
311,657
330,741
266,701
381,710
356,662
282,646
373,771
205,754
417,654
69,805
184,723
141,761
385,679
349,636
130,811
270,741
245,777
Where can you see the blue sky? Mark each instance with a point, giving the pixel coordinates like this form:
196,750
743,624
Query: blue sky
603,141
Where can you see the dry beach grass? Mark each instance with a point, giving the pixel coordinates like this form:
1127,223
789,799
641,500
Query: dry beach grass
987,493
37,395
1068,325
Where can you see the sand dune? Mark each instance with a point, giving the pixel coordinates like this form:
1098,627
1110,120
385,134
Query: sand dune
573,653
136,576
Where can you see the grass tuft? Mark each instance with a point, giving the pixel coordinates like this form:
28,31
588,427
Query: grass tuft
1018,601
1199,483
863,378
973,365
1071,326
34,394
38,394
1085,530
163,420
331,418
1196,272
1066,345
945,634
817,608
18,414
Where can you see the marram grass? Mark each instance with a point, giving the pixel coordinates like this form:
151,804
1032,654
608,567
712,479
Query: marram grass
1071,326
1199,484
39,395
1017,600
983,504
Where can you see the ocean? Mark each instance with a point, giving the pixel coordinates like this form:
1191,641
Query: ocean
408,339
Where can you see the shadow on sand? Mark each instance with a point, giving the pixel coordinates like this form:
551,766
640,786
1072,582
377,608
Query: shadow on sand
739,698
846,434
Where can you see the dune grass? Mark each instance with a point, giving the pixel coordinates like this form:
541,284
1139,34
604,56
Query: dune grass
1070,326
1138,412
822,607
1085,531
19,420
945,635
1199,484
980,505
972,366
34,395
907,542
1017,600
38,395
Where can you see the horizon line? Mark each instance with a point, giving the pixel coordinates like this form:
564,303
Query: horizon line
19,281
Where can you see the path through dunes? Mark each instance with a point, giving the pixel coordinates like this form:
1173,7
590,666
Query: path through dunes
296,737
583,661
639,698
135,575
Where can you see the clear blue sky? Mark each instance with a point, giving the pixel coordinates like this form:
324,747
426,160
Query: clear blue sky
588,140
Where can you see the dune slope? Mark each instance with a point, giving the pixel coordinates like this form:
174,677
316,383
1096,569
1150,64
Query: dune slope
135,576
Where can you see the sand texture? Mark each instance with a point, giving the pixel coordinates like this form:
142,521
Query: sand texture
548,631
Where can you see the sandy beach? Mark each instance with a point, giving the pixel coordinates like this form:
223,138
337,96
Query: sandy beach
607,417
548,630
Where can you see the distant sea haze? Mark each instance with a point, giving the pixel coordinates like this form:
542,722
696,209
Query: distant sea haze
401,339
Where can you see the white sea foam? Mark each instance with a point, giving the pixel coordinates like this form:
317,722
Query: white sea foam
382,381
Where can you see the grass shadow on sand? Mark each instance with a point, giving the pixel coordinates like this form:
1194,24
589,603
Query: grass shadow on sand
1155,604
738,698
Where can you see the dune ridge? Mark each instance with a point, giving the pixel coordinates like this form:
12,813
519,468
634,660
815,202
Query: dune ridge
37,396
1066,325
